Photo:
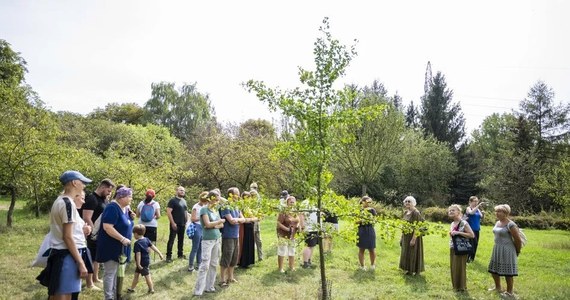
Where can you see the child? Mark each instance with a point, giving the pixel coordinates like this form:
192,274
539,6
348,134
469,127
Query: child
142,258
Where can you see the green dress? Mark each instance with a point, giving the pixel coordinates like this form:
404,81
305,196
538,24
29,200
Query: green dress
412,258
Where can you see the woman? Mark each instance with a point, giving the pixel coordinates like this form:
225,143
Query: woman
196,252
505,250
458,263
246,233
115,238
412,252
366,233
474,217
211,245
69,259
287,226
150,223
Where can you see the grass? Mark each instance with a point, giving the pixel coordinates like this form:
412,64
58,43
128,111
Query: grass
544,269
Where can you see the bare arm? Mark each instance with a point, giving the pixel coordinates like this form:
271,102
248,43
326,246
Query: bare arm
153,247
138,260
112,232
468,233
216,224
87,215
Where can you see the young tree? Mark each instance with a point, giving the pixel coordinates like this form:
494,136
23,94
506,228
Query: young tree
312,108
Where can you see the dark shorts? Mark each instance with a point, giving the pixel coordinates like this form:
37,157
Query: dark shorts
150,233
229,253
312,239
144,271
92,246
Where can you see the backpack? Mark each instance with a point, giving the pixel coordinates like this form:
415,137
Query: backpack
147,212
96,227
523,237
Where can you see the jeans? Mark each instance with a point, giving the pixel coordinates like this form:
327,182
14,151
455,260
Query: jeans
179,232
210,260
196,252
110,278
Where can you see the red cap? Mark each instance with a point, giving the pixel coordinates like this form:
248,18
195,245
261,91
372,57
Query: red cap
150,192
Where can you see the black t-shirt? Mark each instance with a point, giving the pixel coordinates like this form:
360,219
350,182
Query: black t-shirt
95,203
179,210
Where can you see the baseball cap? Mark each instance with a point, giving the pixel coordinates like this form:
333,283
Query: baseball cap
151,193
70,175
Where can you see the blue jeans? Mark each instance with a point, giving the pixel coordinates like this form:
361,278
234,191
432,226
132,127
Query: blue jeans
196,252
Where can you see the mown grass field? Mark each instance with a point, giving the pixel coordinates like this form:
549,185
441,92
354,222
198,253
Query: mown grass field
544,269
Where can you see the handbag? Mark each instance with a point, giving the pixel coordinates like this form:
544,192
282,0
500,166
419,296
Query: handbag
462,245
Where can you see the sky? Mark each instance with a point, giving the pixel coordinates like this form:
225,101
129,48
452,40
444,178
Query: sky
83,54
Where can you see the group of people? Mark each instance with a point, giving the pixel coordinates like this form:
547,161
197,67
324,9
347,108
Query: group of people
97,230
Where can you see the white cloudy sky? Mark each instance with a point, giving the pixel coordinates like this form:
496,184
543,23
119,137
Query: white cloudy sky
84,54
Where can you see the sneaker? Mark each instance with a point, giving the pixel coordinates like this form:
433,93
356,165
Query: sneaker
211,291
190,269
151,291
281,271
362,268
169,259
372,267
306,265
130,291
181,256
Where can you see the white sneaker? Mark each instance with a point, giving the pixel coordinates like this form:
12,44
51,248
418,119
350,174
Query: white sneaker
372,267
362,268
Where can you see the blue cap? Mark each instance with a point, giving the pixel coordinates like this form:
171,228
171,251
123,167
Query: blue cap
68,176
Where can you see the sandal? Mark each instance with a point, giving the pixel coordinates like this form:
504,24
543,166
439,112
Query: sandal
233,280
224,284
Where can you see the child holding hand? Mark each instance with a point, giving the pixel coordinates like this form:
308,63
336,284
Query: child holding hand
142,258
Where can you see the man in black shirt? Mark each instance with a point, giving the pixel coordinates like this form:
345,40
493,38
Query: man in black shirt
177,212
94,205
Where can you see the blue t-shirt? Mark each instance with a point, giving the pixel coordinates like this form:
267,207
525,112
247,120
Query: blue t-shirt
230,231
474,220
143,245
109,248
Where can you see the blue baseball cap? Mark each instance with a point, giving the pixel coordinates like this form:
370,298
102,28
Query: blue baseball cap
68,176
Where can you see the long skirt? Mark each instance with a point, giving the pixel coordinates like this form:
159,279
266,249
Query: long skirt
248,250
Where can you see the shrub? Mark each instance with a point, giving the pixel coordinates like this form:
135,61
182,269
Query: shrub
436,214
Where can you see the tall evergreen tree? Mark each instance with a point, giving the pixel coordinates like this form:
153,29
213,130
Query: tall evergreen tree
412,116
439,116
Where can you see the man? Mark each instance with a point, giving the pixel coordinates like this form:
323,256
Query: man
230,237
94,205
69,259
177,212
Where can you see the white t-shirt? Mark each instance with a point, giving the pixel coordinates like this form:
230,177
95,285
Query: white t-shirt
198,207
63,211
153,222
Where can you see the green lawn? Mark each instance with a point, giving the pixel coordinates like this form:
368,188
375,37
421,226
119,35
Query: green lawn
544,267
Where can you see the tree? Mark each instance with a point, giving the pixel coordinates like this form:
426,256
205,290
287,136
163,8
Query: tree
439,116
27,135
550,121
183,111
412,116
312,108
128,113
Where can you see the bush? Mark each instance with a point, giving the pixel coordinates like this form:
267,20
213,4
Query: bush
436,214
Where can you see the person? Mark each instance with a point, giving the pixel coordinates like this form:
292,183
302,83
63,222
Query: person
412,247
196,251
247,233
114,240
311,227
331,226
177,213
288,223
142,258
506,250
474,216
366,233
211,245
283,198
150,224
458,263
94,205
230,235
256,226
69,259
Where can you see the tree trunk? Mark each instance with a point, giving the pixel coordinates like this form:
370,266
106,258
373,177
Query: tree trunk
324,290
12,205
364,189
37,201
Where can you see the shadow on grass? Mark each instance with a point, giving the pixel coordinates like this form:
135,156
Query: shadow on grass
417,283
363,276
295,277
